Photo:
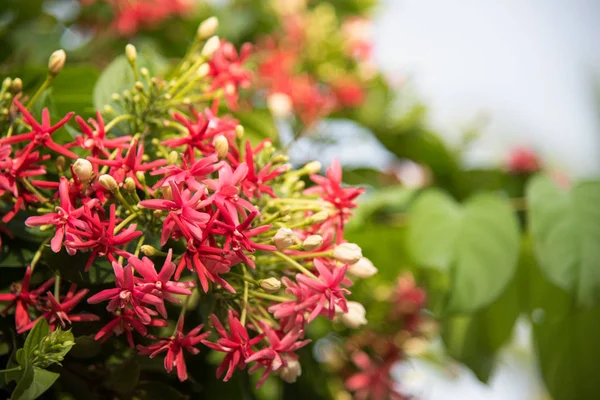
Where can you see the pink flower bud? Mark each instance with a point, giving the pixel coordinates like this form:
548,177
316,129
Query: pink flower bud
364,268
348,253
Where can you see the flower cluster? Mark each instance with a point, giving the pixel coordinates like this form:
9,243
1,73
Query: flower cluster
223,217
341,59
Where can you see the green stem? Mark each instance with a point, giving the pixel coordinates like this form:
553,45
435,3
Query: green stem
5,371
245,299
139,245
268,296
245,278
116,120
327,253
120,197
33,190
295,264
126,221
37,94
38,253
57,287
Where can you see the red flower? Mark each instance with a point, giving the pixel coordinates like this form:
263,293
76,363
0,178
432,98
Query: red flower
254,183
58,312
100,238
126,321
22,298
227,71
94,137
198,170
237,344
65,216
325,292
41,133
523,161
226,192
373,381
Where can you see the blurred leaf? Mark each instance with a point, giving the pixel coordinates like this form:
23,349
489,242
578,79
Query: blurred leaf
157,391
72,268
258,125
42,381
568,354
390,199
39,331
124,378
565,226
477,244
85,347
474,340
73,89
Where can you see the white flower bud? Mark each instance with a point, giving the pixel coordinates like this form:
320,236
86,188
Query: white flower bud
356,315
270,285
291,371
83,170
108,182
364,268
207,28
211,46
280,105
312,242
319,217
284,238
148,250
129,184
348,253
173,157
57,62
131,53
312,167
203,70
221,146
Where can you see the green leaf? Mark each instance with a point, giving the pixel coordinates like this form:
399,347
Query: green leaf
42,381
568,353
125,377
258,125
476,244
72,268
73,88
565,225
475,339
39,331
157,391
24,383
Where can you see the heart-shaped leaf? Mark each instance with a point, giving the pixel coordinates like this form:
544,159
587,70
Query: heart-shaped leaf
476,244
565,225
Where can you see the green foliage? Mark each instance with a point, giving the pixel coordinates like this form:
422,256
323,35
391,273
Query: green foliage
565,225
476,244
42,349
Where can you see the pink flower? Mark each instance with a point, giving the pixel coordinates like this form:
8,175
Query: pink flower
226,190
226,69
373,381
159,284
94,137
21,298
281,348
64,217
182,211
237,344
174,347
58,312
325,292
41,133
198,170
523,161
127,294
255,182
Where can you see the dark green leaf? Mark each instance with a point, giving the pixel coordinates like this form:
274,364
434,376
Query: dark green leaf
124,378
25,382
565,226
476,244
39,331
258,125
157,391
72,268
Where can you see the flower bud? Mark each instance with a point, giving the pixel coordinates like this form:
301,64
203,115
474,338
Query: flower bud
348,253
144,71
364,268
129,184
60,163
131,53
284,238
56,62
211,46
140,176
312,242
319,217
270,285
207,28
83,170
17,85
148,250
221,146
167,192
203,70
312,167
6,83
239,132
356,315
108,182
172,157
291,370
280,105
